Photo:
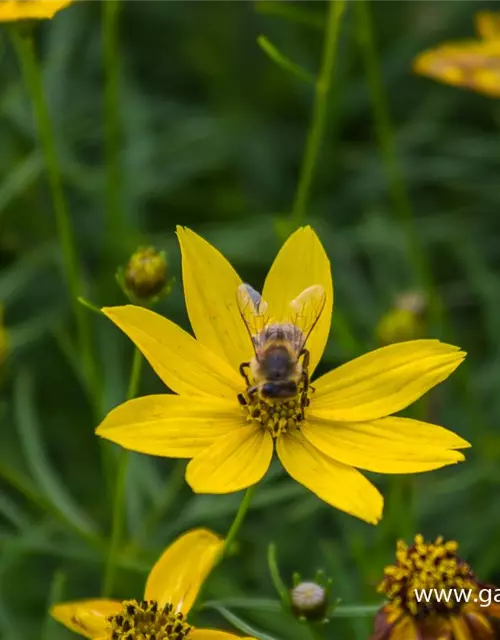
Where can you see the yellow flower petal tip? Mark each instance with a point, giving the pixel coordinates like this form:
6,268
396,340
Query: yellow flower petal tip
14,10
89,618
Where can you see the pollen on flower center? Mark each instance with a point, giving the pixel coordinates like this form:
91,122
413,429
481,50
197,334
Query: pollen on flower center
145,620
278,416
426,566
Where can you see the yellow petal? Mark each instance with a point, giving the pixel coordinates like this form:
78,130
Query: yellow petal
471,65
405,630
337,484
234,462
460,630
89,618
212,634
388,445
184,365
171,426
12,10
210,286
301,263
385,380
488,25
177,576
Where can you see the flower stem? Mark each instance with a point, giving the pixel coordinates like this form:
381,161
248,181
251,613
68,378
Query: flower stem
318,116
237,522
120,488
316,632
135,375
386,139
112,123
22,39
231,534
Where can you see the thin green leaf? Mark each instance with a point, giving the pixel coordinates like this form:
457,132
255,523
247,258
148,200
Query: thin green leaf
25,333
30,267
355,610
290,11
23,176
55,595
282,61
38,463
89,305
256,604
23,484
279,585
12,512
241,625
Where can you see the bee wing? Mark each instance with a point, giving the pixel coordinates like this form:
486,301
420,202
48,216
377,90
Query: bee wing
307,308
253,309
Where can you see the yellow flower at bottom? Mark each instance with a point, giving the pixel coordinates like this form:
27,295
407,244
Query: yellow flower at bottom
13,10
455,607
171,590
343,421
471,64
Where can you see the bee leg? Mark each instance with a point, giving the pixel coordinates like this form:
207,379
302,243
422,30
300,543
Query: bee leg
307,358
243,367
242,400
305,371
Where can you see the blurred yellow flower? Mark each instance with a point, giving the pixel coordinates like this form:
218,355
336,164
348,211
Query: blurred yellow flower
171,589
320,435
13,10
456,606
404,321
472,64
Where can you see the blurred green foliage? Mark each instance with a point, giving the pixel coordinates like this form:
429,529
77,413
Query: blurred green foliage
212,135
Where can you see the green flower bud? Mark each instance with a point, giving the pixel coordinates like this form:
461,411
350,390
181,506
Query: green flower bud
144,279
405,320
309,600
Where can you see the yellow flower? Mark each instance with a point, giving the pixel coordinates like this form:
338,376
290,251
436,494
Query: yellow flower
460,609
346,416
12,10
472,64
171,589
404,321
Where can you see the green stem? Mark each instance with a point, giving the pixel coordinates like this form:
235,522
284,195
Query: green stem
22,39
316,632
112,122
319,110
237,522
120,488
231,534
386,140
135,375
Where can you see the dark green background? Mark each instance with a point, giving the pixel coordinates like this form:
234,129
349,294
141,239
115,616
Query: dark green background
213,135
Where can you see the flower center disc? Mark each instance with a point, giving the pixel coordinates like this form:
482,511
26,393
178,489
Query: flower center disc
426,566
277,416
146,621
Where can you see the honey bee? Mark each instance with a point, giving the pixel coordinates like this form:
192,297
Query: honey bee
279,368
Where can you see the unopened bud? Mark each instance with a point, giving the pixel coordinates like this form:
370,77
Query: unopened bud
309,600
414,301
145,276
405,321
